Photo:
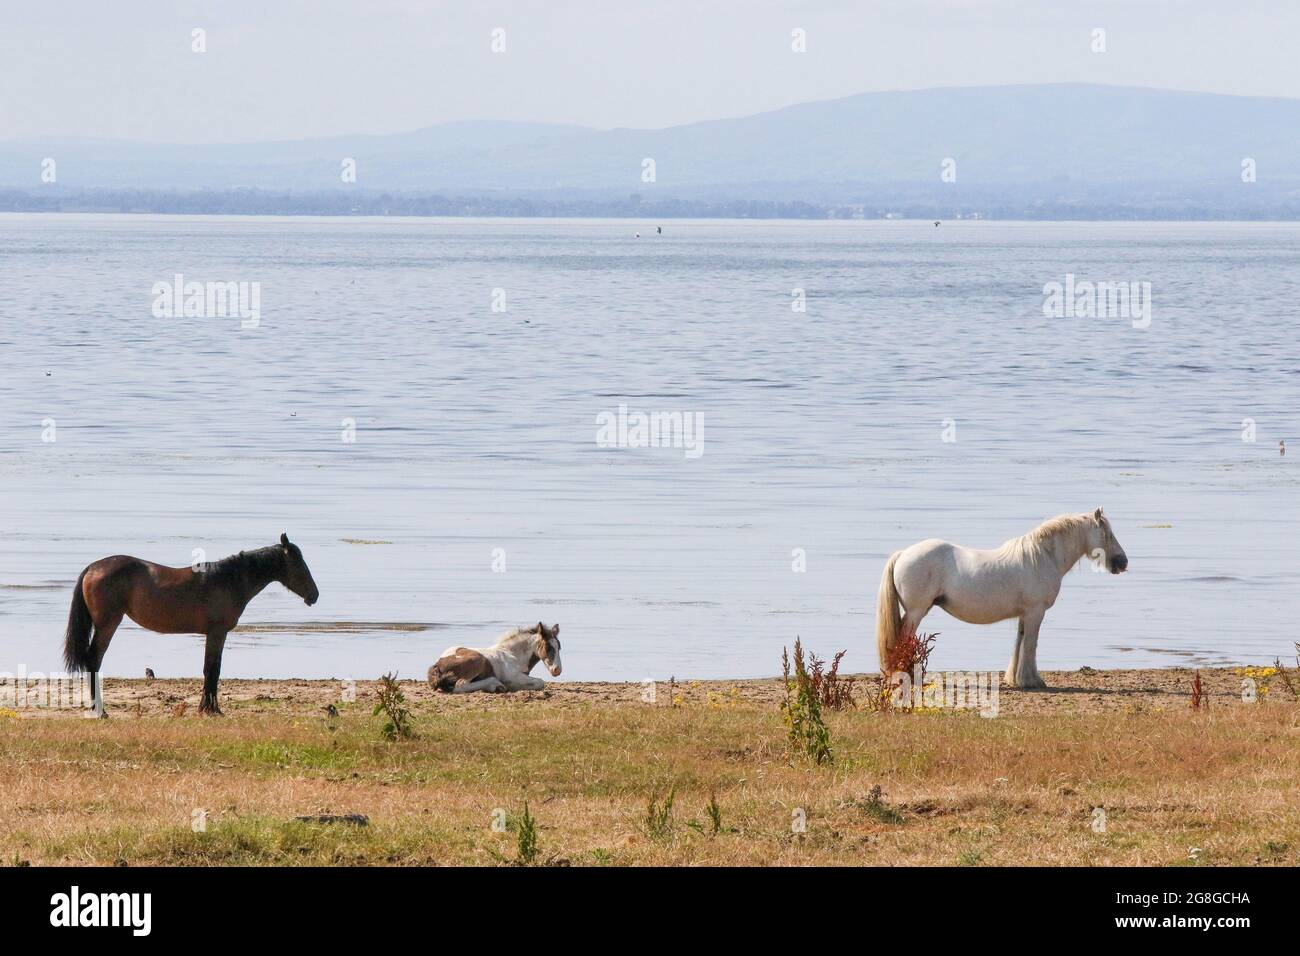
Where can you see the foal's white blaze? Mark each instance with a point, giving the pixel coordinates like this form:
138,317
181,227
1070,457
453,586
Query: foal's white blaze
548,647
1020,579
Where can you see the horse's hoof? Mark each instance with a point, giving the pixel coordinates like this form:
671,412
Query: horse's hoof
1032,683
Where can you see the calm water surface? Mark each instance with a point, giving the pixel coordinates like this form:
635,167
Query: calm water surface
476,431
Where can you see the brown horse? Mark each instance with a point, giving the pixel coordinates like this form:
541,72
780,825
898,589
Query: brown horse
175,601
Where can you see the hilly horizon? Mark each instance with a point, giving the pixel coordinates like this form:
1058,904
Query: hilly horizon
1027,142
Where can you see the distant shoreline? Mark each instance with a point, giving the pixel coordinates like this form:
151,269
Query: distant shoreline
881,204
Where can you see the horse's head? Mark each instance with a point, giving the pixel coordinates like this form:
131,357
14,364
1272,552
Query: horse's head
296,576
1103,546
548,647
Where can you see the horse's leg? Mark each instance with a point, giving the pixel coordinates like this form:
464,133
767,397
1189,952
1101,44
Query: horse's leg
1014,667
912,619
489,684
99,642
514,680
1027,675
212,672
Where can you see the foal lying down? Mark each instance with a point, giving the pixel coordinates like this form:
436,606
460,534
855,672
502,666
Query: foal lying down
502,667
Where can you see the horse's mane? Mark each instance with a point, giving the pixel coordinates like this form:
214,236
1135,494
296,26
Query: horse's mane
513,633
1036,544
262,562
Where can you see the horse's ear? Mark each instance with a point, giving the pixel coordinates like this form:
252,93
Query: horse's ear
284,538
555,630
541,628
1097,514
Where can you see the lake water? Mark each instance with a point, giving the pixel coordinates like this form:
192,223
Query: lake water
476,433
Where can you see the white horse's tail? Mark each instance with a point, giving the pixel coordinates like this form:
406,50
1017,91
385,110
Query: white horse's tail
888,619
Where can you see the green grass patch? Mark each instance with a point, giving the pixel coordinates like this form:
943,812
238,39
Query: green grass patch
282,754
259,841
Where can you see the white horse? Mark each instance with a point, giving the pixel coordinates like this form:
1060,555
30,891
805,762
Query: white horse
1019,579
502,667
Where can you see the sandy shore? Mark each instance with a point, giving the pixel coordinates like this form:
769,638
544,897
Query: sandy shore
1084,691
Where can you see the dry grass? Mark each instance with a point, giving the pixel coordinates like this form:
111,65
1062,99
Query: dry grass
954,788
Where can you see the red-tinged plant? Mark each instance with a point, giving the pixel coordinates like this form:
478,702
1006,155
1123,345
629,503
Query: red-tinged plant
833,691
909,661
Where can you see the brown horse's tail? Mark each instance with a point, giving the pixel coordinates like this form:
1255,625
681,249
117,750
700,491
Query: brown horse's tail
888,620
76,641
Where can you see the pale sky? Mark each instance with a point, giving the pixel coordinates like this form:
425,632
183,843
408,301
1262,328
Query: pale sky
289,69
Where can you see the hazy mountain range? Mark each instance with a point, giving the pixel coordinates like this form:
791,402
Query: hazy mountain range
1014,150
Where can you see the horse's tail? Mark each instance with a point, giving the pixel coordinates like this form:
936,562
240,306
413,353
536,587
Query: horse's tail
76,640
888,619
